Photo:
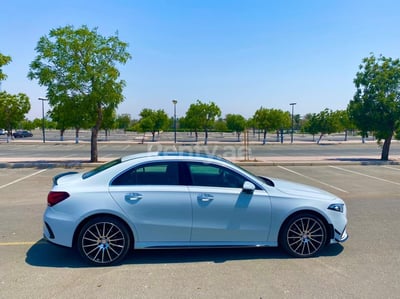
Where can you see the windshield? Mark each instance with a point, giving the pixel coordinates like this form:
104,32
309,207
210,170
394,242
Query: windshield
100,168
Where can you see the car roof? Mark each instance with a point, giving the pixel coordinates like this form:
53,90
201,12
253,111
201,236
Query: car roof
171,154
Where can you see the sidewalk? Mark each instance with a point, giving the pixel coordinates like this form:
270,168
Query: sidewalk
76,162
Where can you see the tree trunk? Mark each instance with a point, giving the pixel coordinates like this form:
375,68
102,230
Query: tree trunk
385,149
95,132
76,135
62,134
205,136
320,137
265,137
93,145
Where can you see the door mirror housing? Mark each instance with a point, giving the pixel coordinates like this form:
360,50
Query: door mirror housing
248,187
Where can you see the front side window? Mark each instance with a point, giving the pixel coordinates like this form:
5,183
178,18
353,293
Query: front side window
214,176
150,174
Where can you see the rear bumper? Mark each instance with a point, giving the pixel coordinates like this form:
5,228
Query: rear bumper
58,228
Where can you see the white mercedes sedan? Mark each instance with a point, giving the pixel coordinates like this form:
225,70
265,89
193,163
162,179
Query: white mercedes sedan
186,200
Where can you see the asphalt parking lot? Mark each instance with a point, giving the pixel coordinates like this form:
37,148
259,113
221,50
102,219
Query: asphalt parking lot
366,266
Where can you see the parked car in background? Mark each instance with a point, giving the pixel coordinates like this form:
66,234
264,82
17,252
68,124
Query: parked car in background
3,132
164,200
22,134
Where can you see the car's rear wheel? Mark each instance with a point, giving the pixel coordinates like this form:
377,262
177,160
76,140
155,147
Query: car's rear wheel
304,235
104,241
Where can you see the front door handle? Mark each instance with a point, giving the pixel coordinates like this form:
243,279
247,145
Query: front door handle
133,196
205,197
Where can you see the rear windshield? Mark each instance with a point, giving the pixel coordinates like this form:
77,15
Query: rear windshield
100,168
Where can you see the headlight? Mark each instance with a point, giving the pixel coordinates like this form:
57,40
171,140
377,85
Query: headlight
337,207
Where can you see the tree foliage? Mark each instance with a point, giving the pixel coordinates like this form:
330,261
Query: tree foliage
153,121
123,121
236,123
79,66
271,119
376,103
202,116
4,60
324,122
13,109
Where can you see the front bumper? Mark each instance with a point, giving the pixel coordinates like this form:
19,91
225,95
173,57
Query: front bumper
341,237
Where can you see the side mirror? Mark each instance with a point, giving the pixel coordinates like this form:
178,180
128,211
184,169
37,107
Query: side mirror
248,187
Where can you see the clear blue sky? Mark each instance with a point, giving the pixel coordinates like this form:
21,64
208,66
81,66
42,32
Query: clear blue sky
240,54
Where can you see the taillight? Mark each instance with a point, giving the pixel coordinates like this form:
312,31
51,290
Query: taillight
55,197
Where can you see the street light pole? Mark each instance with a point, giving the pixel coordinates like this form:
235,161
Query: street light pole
43,131
174,102
291,135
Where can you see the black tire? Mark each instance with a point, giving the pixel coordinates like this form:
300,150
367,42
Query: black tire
304,235
104,241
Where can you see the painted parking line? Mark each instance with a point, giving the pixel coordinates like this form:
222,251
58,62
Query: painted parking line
393,168
23,178
366,175
312,179
18,243
24,243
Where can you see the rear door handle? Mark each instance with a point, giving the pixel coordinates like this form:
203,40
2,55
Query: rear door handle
133,196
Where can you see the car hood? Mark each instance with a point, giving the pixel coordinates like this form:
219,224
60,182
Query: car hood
300,190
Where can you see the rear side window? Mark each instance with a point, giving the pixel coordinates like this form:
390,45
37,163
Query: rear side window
149,174
100,168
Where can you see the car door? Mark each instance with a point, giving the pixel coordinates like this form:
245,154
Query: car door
158,207
222,211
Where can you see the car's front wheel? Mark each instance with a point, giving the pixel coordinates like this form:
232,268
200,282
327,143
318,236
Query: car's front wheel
104,241
304,235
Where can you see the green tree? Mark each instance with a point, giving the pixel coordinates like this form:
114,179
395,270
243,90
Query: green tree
81,65
220,125
153,121
123,121
376,103
310,124
109,121
4,60
13,109
326,122
270,119
202,115
26,124
236,123
192,120
279,120
344,122
261,120
70,112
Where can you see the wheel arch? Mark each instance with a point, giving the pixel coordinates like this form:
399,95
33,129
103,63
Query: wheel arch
87,219
328,226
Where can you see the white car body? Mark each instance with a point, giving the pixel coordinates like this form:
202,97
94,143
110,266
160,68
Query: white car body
188,214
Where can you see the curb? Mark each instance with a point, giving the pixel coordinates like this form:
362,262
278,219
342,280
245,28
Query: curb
86,164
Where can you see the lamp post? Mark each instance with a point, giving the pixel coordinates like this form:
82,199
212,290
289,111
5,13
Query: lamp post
43,132
291,135
174,102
